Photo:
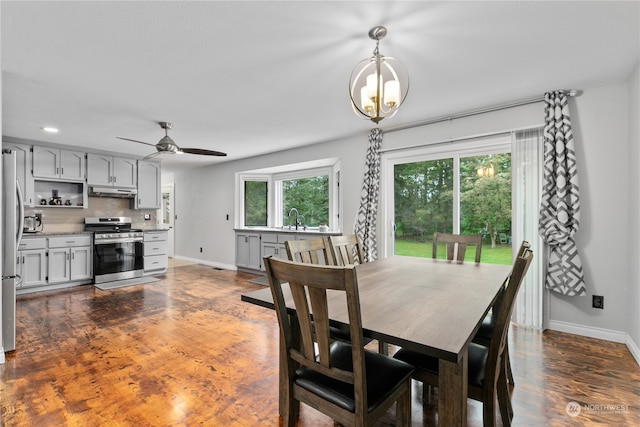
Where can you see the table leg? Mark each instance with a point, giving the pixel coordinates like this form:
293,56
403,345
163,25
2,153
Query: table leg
453,387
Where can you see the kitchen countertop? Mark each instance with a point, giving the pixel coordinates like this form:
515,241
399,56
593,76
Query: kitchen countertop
54,233
287,230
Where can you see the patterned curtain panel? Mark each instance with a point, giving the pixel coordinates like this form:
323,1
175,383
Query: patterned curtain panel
365,227
560,202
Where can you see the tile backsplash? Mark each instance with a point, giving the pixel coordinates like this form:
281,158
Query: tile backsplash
71,220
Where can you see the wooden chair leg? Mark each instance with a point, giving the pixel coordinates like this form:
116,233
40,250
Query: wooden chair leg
504,401
489,408
507,364
403,408
426,394
383,348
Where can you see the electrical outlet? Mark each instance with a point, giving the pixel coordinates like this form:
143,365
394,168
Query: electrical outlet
200,249
598,301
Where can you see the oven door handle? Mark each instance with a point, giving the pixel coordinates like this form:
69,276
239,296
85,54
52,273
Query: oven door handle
118,240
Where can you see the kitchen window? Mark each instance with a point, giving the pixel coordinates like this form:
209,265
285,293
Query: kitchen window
255,203
278,197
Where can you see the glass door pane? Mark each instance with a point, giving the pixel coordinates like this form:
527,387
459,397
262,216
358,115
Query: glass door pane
485,204
423,197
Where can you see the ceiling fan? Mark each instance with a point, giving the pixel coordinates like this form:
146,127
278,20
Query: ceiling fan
166,145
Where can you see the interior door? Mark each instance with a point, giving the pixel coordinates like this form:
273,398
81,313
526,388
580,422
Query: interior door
167,215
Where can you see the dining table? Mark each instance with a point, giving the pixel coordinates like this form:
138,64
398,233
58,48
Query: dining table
433,306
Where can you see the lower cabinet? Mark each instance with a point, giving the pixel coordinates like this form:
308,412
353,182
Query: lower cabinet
248,251
69,258
251,247
32,262
59,260
272,244
155,252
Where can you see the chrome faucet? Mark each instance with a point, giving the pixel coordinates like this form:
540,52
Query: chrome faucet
297,216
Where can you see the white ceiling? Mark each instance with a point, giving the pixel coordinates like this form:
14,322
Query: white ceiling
248,78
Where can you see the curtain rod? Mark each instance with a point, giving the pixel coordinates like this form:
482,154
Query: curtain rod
570,92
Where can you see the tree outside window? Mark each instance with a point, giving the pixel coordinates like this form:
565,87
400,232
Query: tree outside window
310,196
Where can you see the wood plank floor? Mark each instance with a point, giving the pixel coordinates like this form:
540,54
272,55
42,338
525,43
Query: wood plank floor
186,351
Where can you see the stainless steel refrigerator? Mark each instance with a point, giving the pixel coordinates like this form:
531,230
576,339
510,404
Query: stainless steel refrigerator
12,216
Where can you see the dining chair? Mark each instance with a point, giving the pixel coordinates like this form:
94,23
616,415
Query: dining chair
486,376
309,251
343,380
483,336
316,251
457,245
346,249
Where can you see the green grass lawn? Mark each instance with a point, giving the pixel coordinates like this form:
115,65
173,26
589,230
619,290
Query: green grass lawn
501,254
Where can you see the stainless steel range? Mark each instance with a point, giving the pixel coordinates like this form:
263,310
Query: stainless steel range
117,250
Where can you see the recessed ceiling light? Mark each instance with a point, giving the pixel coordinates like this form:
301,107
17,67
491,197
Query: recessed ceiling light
50,129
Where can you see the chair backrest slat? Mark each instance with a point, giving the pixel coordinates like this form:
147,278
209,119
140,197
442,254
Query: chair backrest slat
459,241
309,251
346,250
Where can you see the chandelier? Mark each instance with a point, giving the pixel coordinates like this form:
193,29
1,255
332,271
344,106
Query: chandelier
379,84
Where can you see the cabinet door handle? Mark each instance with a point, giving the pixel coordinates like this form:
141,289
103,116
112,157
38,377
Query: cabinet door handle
67,255
73,255
61,171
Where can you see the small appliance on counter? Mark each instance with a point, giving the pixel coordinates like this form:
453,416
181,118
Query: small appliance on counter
32,224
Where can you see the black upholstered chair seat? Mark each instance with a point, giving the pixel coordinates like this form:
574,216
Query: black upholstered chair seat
486,328
477,362
378,386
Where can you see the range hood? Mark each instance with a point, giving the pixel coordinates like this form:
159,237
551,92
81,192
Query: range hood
112,192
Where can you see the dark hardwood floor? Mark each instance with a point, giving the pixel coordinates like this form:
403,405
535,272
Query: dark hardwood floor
186,351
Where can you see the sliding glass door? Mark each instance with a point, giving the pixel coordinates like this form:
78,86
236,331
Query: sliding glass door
461,188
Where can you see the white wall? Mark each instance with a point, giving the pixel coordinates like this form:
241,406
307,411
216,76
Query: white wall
634,212
602,130
205,196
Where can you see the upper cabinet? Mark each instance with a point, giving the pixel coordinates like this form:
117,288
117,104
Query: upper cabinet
148,185
23,170
111,171
56,163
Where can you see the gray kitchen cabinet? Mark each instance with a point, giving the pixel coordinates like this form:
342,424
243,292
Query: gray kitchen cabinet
148,196
248,250
109,171
69,258
155,252
56,163
23,170
32,262
272,244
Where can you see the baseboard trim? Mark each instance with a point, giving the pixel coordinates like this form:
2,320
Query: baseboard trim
209,263
633,348
599,333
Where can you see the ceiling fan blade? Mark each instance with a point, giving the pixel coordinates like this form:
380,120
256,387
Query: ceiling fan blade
152,155
202,152
133,140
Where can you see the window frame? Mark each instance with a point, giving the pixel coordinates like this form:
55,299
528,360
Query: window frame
500,143
274,178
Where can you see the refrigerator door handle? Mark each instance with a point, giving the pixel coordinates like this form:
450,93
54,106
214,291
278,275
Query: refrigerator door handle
20,215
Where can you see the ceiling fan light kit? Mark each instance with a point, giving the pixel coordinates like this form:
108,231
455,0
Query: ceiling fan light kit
379,84
167,145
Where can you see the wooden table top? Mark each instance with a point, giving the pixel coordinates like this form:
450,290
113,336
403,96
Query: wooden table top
428,305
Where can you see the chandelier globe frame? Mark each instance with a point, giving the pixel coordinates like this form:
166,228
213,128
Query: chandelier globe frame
379,84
